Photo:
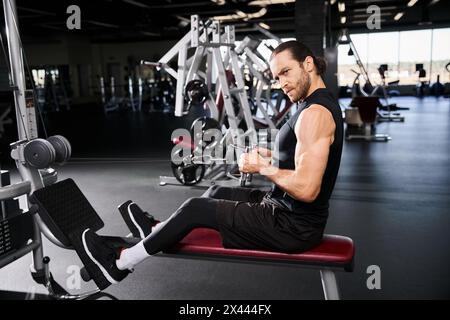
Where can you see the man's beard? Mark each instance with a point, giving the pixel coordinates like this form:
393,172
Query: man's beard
303,87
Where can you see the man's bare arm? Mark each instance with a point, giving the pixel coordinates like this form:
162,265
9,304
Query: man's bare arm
315,133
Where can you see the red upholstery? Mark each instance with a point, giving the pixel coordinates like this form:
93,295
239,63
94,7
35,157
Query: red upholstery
367,107
333,251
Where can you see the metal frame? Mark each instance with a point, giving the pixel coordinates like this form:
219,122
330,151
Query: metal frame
208,38
32,178
329,284
368,136
257,67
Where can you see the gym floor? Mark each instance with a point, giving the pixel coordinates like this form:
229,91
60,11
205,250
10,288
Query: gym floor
391,198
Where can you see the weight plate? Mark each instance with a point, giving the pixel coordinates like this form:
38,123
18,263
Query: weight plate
188,174
62,148
39,153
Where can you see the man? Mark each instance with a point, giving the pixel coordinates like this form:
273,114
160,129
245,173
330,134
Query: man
303,169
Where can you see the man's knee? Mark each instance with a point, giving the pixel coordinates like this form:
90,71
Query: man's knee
194,202
214,191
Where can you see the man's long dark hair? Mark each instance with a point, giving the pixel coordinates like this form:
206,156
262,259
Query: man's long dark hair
299,52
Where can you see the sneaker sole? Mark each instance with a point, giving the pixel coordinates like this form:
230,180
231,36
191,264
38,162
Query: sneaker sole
136,225
127,216
102,269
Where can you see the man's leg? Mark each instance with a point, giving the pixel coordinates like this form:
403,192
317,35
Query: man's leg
235,194
193,213
141,223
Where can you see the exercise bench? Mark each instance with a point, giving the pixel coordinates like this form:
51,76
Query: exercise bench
67,212
334,253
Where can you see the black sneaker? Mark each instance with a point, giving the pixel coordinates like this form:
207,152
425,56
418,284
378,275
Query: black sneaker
139,222
103,256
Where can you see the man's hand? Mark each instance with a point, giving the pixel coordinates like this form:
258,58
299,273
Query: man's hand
252,162
266,153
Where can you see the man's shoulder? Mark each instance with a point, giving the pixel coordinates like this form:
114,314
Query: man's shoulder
315,118
315,113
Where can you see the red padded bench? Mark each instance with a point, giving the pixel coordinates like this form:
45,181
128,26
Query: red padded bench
334,253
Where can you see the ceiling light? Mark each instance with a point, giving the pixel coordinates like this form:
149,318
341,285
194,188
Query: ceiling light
264,26
136,3
343,20
241,15
383,8
183,21
411,3
341,6
151,34
263,3
398,16
102,24
258,14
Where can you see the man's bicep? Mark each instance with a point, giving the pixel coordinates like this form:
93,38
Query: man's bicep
315,133
311,160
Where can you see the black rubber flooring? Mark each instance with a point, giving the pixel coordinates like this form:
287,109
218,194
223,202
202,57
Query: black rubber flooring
391,198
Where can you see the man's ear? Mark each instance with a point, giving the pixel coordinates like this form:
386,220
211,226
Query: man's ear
308,64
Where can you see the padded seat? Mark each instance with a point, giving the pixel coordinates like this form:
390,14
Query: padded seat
333,252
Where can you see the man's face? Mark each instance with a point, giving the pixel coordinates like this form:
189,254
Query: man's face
291,75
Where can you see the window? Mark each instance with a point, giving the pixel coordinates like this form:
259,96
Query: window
383,49
414,48
347,63
440,55
401,51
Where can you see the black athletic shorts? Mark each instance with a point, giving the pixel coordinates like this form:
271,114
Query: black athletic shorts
247,221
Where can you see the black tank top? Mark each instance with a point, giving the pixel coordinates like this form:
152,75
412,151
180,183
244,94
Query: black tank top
315,212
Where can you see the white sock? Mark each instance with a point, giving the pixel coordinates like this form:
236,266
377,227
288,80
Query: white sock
132,256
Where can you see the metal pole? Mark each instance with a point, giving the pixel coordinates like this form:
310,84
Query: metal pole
17,66
25,120
329,285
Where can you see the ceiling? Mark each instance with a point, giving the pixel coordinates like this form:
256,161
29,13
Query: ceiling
411,14
131,20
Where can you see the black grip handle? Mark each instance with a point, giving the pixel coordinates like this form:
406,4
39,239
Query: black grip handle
243,177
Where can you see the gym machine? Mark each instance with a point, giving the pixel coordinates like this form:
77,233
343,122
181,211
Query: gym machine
361,118
111,102
273,114
391,115
52,93
219,88
362,114
368,89
159,94
57,210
